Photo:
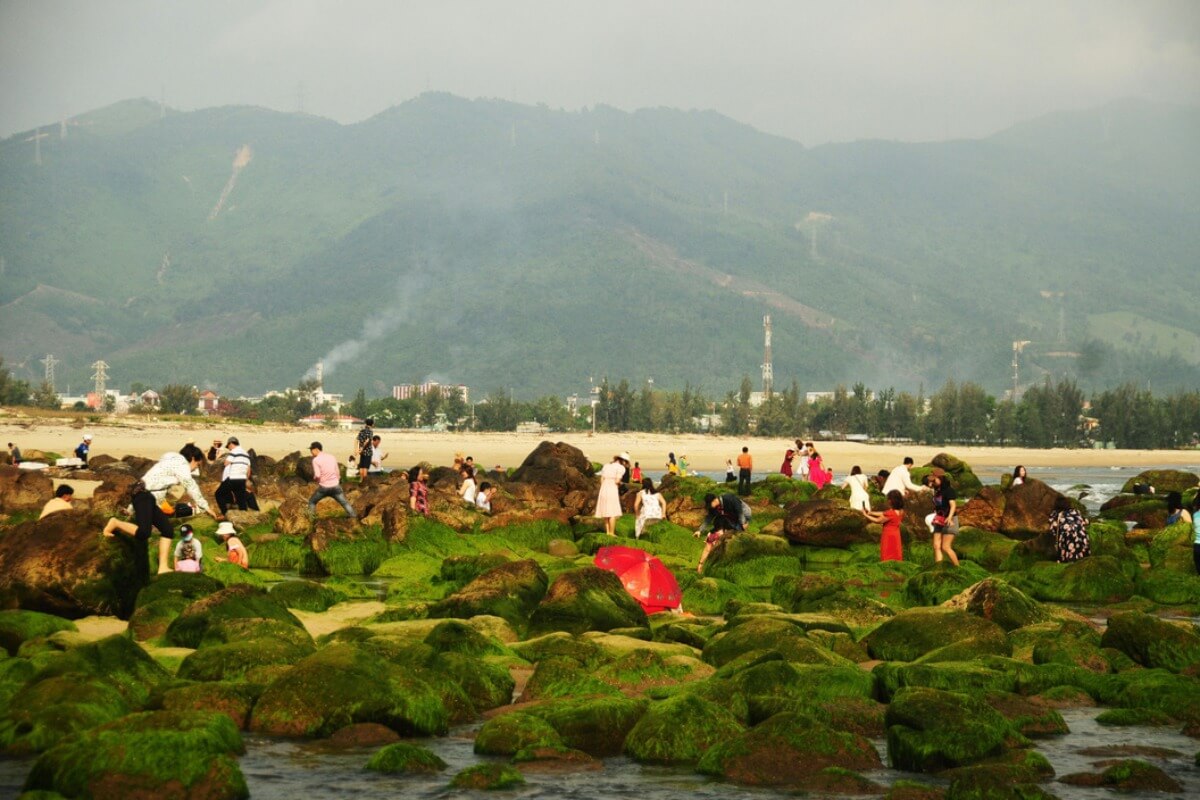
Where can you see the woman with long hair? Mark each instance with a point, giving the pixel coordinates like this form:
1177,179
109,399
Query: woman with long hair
608,502
890,546
648,505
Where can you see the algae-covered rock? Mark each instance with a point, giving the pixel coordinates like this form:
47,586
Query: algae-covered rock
1168,587
233,660
930,730
1171,550
488,777
159,754
185,585
752,560
18,627
505,734
1122,717
913,633
486,685
43,713
770,686
786,750
1030,716
116,660
597,726
1154,642
766,633
1098,579
1128,775
234,700
936,585
306,595
405,758
587,599
236,602
960,676
510,590
986,548
994,599
1163,480
344,684
680,730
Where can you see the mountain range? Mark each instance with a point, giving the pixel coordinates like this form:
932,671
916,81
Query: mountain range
509,246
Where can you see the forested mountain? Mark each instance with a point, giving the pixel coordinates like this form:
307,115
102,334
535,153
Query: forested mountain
495,244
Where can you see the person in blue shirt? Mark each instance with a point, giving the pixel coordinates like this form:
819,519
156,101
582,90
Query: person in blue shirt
81,452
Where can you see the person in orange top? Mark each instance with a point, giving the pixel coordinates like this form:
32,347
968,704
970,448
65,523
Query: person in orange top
745,465
227,536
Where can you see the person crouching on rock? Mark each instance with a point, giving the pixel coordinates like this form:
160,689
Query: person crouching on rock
173,469
236,551
726,515
188,551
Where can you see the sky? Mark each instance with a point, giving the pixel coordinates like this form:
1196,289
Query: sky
812,70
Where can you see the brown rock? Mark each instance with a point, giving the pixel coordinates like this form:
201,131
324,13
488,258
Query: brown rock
23,490
556,464
395,522
364,734
984,510
1027,509
560,515
328,530
293,517
825,523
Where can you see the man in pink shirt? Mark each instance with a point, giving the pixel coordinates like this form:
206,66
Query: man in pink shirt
328,476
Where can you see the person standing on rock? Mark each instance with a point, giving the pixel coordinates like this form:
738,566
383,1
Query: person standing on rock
173,469
1069,529
944,519
363,449
900,480
724,515
234,477
608,503
745,465
890,546
785,468
856,481
328,476
418,490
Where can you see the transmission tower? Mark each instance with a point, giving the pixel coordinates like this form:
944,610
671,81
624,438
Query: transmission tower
100,376
50,361
1018,348
767,370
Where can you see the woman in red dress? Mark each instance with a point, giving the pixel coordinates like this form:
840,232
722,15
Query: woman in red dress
890,548
786,467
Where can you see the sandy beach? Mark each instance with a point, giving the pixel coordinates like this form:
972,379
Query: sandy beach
705,453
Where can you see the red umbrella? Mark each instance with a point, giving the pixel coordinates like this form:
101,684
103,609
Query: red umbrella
643,575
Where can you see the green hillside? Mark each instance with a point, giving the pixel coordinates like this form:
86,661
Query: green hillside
496,244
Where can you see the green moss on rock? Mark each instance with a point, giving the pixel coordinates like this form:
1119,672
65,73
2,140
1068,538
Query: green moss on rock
407,759
306,595
913,633
235,602
488,777
505,734
233,660
597,726
936,585
1154,642
588,599
18,627
930,730
680,730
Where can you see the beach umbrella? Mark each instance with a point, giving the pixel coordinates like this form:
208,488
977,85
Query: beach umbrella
645,577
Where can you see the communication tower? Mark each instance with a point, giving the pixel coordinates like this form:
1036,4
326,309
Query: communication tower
100,376
767,370
49,361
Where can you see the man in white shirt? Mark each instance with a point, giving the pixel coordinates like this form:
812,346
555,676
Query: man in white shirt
234,477
900,480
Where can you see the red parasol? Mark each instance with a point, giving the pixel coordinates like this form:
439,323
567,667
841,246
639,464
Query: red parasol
645,577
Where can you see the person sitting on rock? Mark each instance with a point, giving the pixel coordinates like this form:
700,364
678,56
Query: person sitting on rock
60,502
726,515
483,498
234,548
188,550
468,490
648,506
82,449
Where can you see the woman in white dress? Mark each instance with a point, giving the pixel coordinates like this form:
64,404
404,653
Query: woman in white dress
857,482
608,504
648,505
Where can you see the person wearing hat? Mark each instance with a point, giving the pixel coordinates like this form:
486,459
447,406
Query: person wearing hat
188,550
81,452
236,551
608,503
234,477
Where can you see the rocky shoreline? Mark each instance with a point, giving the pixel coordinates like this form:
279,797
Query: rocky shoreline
798,645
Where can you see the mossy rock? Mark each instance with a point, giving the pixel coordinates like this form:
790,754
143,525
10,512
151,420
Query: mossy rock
1156,689
162,754
1171,550
988,549
116,660
996,600
965,676
912,790
509,590
960,472
587,599
1031,717
233,660
1163,480
709,596
43,713
1154,642
1169,588
995,782
968,649
786,750
487,685
284,552
453,636
1125,717
1083,652
559,676
406,759
692,635
930,730
235,602
913,633
344,684
936,585
767,633
18,627
306,595
752,560
234,575
771,686
505,734
1097,579
680,730
234,700
1128,775
559,644
488,777
225,631
151,620
640,669
831,593
597,726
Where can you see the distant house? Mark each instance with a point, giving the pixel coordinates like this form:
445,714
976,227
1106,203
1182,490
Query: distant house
150,398
342,421
208,402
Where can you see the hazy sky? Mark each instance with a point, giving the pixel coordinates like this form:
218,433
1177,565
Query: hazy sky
813,70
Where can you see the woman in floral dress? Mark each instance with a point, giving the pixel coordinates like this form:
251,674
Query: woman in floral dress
1070,531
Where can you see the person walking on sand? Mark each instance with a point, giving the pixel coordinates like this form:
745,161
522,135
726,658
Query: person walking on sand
608,502
648,505
890,546
363,449
900,480
944,519
745,465
173,469
786,467
234,549
328,476
856,481
725,515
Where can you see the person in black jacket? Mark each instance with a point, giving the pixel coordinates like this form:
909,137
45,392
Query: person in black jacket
725,515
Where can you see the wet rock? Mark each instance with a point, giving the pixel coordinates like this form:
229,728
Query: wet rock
597,726
506,734
994,599
488,777
233,660
1097,579
234,700
930,730
937,584
680,730
587,599
306,595
241,603
407,759
1163,481
913,633
764,634
1129,775
1154,642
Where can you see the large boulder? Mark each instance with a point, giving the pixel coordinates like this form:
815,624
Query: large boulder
246,604
511,591
680,730
1097,579
558,465
960,472
936,585
343,684
172,755
913,633
787,750
930,730
1154,642
587,599
984,511
597,725
23,490
767,633
18,627
825,523
1163,480
995,600
1027,509
61,565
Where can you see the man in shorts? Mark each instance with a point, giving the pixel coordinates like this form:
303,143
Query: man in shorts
363,448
